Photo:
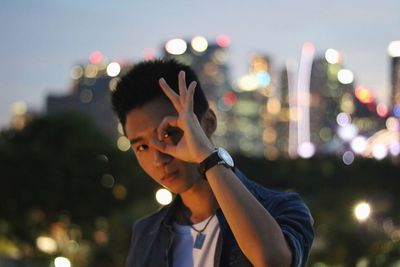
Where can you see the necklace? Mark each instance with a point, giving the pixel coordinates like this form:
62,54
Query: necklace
200,237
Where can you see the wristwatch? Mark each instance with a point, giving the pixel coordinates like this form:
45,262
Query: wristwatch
219,156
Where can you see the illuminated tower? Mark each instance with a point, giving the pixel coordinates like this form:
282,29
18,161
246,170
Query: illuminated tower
255,111
210,62
394,53
90,94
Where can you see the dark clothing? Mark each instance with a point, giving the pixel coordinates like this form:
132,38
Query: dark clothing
153,235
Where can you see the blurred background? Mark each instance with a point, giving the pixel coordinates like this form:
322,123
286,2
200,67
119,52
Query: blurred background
307,95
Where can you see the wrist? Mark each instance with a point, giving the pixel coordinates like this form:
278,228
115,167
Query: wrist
218,156
206,152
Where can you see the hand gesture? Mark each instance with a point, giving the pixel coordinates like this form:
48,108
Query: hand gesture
193,145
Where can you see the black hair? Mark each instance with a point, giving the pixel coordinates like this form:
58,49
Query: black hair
140,85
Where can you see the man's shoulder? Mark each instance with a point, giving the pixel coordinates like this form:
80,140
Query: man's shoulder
151,221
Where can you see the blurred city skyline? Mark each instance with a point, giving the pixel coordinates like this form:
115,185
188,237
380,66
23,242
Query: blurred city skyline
40,43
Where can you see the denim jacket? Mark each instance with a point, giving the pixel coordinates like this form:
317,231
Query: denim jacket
152,236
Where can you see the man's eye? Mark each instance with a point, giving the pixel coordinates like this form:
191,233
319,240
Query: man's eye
141,148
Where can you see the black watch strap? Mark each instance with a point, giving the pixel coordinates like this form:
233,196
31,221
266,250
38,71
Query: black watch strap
217,157
209,162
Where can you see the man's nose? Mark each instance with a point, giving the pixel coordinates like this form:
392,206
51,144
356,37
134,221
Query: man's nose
160,158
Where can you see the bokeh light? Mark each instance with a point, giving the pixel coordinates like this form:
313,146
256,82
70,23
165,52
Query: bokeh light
345,76
119,192
394,148
332,56
379,151
223,40
19,108
107,181
392,124
199,44
96,57
306,150
46,244
86,95
76,72
359,144
176,46
382,110
263,78
163,196
123,143
62,262
113,69
91,71
348,157
394,49
248,83
396,110
273,106
343,119
364,95
347,132
362,211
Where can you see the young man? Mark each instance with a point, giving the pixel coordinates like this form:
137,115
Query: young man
218,218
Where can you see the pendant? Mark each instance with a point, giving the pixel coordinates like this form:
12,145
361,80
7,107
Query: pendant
198,243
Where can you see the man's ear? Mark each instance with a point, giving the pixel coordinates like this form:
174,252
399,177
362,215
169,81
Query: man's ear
209,122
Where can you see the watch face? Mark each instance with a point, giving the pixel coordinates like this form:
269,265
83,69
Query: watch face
224,155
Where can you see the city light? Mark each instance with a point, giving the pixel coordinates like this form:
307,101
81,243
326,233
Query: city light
343,119
362,211
163,196
379,151
392,124
382,110
332,56
394,49
359,144
394,148
113,69
176,46
248,83
263,78
347,132
348,157
46,244
62,262
273,106
76,72
396,110
223,40
123,143
96,57
86,95
306,150
19,108
364,95
119,192
107,181
199,44
91,71
345,76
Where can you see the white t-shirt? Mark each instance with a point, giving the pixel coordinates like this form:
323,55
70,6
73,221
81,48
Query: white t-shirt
184,253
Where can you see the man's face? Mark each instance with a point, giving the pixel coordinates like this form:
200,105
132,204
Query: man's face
140,128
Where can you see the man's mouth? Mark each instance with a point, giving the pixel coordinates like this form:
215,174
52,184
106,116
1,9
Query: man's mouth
169,176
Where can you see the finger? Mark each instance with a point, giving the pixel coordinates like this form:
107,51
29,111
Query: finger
190,95
182,84
169,93
166,123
